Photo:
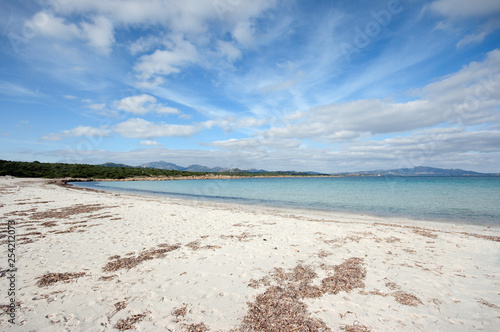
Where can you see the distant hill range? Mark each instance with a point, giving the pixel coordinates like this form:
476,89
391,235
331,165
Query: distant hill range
416,171
199,168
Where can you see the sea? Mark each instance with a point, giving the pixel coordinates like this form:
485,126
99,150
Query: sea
472,200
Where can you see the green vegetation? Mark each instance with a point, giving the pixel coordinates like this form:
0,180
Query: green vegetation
37,169
58,170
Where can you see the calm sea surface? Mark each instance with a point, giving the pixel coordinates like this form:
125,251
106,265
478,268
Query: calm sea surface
471,200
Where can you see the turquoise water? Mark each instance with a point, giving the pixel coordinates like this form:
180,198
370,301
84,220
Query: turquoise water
467,199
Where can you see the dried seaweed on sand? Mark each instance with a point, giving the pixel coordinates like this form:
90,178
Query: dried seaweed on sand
424,232
51,278
348,275
195,245
279,309
120,305
182,311
128,323
356,328
299,273
118,263
488,304
406,298
62,213
200,327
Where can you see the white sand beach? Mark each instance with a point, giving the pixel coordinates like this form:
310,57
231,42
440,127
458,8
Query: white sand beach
95,261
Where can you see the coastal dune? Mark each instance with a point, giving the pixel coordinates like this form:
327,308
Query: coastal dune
87,260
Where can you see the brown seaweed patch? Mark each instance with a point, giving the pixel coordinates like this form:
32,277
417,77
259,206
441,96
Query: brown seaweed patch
200,327
392,285
486,237
118,263
323,253
51,278
348,275
22,213
356,328
5,309
243,237
38,202
307,291
128,323
392,239
279,309
107,278
256,283
300,273
195,245
488,304
65,212
406,298
120,305
425,232
182,311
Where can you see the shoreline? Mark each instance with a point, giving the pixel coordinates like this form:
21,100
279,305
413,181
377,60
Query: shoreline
267,204
94,260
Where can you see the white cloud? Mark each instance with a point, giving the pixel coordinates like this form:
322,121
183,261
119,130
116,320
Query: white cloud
243,33
464,8
149,143
86,131
230,123
52,137
187,17
256,143
140,104
70,97
100,34
55,27
144,44
476,38
97,107
143,104
456,12
467,97
166,62
140,128
166,110
14,89
228,50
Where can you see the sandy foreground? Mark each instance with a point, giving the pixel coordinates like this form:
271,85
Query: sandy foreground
95,261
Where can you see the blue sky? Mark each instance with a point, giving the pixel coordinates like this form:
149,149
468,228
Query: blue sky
325,86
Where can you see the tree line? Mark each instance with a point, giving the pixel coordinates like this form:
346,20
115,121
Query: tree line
37,169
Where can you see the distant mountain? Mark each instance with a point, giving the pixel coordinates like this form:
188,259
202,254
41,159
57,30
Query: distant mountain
416,171
163,165
115,165
201,168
